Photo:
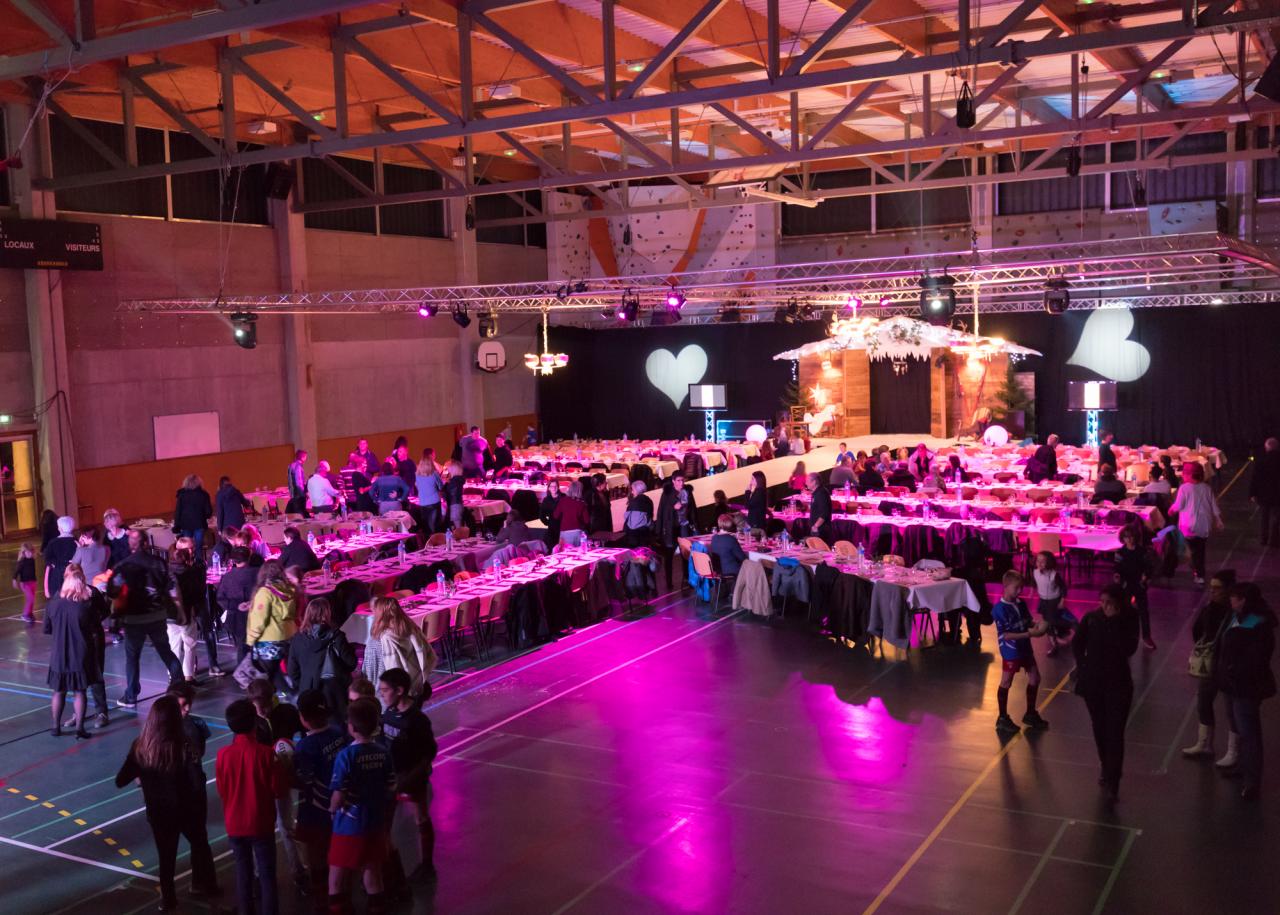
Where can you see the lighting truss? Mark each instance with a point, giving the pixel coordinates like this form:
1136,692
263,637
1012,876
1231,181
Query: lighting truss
1165,271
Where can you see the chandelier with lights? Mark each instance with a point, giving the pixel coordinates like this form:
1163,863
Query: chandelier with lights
546,362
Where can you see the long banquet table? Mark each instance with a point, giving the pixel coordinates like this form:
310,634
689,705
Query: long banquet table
883,600
483,589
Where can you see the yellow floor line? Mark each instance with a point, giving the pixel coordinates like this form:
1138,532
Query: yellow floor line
955,809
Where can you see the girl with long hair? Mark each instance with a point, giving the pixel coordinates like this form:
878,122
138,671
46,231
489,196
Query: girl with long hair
396,641
272,621
164,763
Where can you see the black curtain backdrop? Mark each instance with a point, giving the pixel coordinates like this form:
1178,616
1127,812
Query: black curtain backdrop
604,391
1215,374
899,403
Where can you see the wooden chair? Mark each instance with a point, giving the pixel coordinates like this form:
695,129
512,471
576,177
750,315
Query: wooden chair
436,540
463,576
467,617
461,533
845,548
816,543
892,559
494,613
702,566
435,629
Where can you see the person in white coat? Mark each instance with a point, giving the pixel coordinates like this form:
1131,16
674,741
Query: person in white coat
396,641
1198,514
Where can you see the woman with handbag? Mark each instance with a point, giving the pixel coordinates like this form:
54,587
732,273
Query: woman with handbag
321,658
1103,643
272,622
1207,631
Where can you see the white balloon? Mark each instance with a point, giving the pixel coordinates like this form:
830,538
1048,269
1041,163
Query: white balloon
756,433
996,436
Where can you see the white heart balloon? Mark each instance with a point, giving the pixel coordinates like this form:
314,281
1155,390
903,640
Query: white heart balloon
672,374
1104,346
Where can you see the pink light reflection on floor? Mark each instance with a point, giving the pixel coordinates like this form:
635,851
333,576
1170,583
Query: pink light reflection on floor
862,743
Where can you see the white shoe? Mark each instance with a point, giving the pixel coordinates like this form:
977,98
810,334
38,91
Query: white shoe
1203,745
1232,756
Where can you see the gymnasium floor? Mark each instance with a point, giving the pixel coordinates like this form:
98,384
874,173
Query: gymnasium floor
674,761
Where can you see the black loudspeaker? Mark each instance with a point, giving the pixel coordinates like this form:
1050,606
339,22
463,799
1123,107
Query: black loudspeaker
1269,83
279,180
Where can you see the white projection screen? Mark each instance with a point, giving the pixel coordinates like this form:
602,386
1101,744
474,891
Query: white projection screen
183,434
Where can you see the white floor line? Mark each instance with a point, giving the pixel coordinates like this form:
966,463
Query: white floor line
600,676
76,858
92,829
627,862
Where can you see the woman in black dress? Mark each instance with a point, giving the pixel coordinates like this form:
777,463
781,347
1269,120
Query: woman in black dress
757,501
164,763
1104,641
74,620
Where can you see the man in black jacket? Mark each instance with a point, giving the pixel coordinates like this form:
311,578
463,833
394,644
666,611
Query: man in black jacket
230,505
297,552
677,517
1043,465
819,509
1264,490
234,589
1105,454
869,479
143,590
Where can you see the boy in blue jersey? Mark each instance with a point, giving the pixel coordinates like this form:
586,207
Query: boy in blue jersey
363,789
313,773
1016,630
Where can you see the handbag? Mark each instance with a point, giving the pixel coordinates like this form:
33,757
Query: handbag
1200,663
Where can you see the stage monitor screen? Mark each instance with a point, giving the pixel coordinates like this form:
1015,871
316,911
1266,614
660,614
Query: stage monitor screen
1091,395
706,397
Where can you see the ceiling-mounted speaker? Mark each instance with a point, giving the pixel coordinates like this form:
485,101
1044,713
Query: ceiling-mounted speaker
279,182
1268,85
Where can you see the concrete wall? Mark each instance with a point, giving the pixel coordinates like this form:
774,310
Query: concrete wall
372,374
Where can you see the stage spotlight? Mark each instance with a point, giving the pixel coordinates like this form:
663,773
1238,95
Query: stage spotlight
675,301
937,298
562,293
629,310
461,316
1057,295
807,312
428,310
489,325
580,286
850,307
787,314
244,328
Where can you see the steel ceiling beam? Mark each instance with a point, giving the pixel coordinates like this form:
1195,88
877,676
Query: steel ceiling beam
920,182
1010,52
148,40
871,148
672,47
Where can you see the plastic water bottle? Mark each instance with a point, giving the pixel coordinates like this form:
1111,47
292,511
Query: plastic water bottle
440,582
448,541
400,552
217,564
311,539
862,558
786,541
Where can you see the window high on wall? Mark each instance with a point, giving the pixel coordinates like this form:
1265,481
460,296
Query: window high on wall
505,206
1049,195
1172,185
74,154
884,210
